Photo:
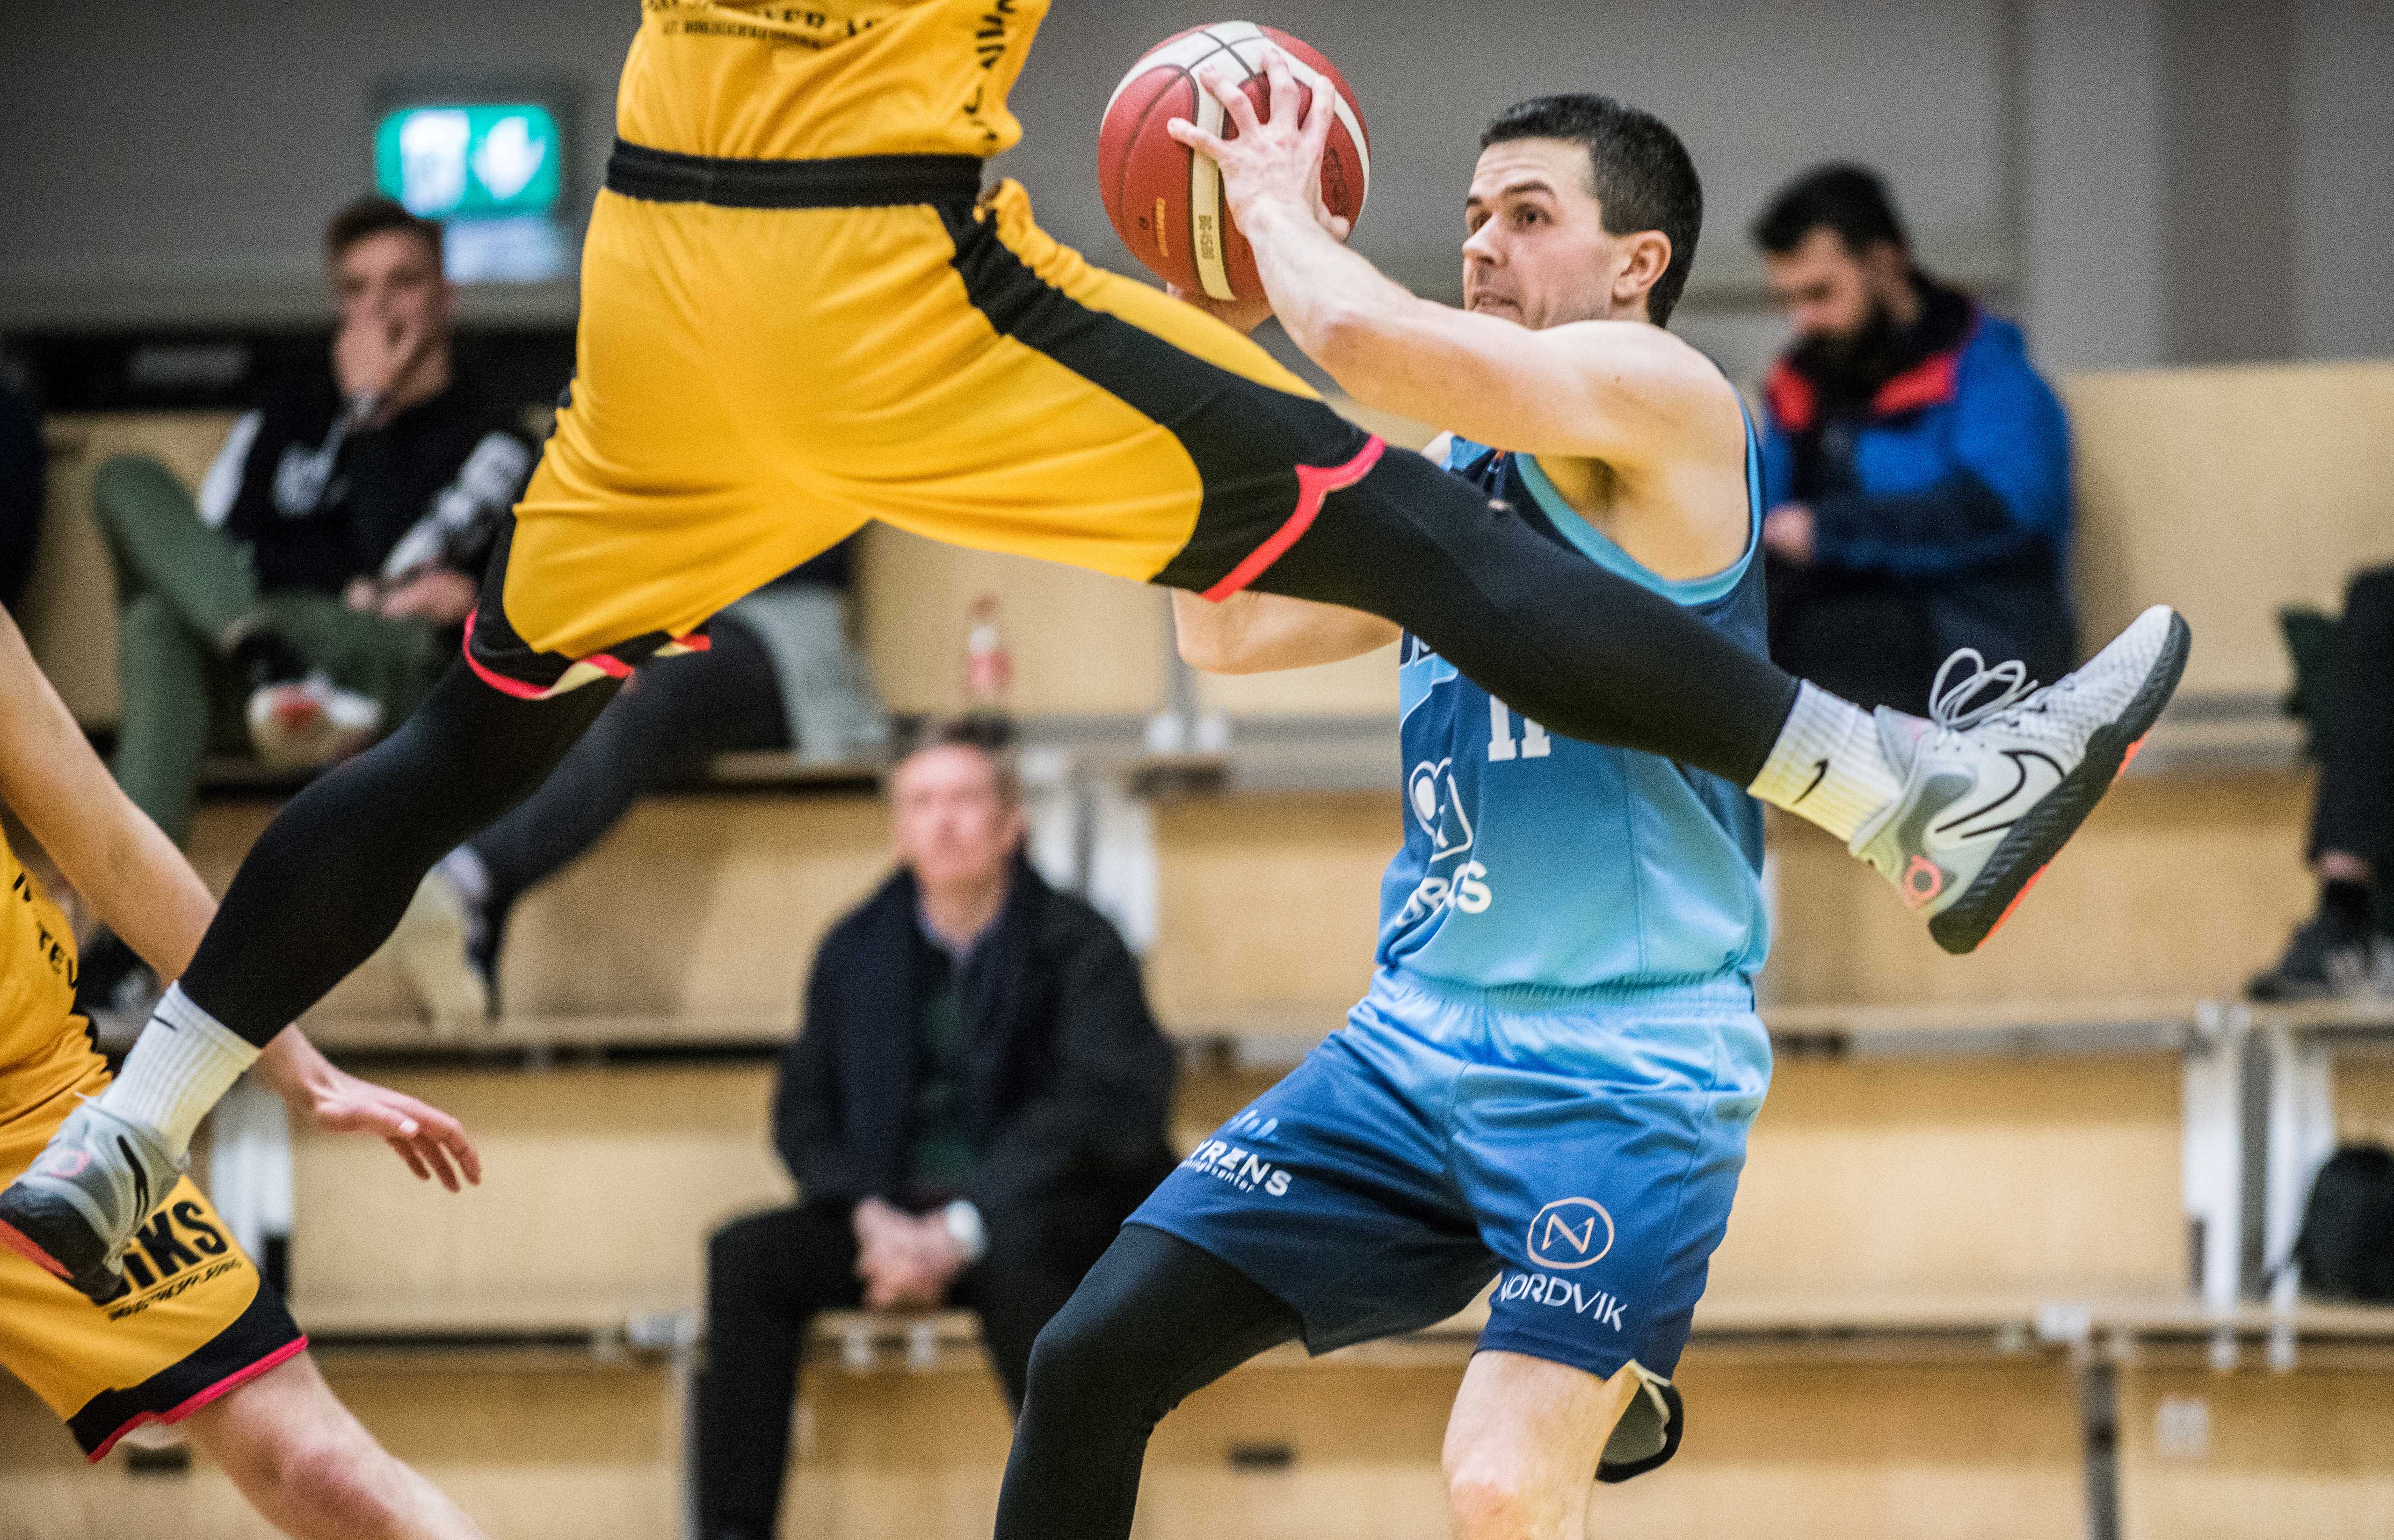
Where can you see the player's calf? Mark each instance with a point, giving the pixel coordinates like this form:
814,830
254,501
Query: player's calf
308,1466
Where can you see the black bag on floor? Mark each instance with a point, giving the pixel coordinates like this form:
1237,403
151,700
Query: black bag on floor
2345,1250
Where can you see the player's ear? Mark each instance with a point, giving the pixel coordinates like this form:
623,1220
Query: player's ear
1645,257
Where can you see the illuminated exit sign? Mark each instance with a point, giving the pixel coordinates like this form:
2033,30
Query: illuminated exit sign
474,160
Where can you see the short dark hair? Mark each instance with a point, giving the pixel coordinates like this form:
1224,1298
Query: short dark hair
374,216
1643,177
1851,200
990,732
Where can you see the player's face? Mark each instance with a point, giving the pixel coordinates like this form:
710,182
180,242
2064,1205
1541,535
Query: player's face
953,826
1537,253
1826,291
392,279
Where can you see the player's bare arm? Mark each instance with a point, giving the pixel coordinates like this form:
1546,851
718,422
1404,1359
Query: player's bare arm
1254,633
145,890
1622,391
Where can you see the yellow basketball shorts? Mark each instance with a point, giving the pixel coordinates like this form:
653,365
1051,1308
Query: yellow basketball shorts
775,352
199,1321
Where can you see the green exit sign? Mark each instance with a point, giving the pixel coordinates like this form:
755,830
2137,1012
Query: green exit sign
474,160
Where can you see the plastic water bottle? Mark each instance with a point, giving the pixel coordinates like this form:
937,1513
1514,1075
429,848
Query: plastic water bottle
989,667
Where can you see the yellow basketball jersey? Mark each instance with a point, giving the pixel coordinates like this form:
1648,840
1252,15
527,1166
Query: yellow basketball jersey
43,1050
753,81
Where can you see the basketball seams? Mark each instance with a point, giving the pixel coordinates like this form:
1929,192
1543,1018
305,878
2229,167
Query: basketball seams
1129,161
1190,210
1207,217
1164,93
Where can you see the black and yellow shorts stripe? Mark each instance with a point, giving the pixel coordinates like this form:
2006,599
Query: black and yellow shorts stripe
775,352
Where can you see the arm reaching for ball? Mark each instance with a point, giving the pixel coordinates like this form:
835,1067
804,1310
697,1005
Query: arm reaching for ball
1622,391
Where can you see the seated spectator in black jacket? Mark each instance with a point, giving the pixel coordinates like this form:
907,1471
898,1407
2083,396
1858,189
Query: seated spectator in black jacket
313,592
1916,468
2343,950
21,494
978,1099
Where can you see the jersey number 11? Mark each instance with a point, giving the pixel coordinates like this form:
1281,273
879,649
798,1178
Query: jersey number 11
1534,743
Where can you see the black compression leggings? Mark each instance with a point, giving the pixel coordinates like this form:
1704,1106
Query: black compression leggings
326,882
1561,640
1155,1320
1570,646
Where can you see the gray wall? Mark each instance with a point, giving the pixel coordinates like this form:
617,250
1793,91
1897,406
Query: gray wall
173,158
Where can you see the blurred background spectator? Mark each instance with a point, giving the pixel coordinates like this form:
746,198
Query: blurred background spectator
2343,949
1916,468
780,672
313,591
20,492
977,1099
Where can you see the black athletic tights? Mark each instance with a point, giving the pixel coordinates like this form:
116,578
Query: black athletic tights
1155,1320
1562,641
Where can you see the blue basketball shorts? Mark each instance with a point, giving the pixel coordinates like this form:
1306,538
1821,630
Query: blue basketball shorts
1581,1155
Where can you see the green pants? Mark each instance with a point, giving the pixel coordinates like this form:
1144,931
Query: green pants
187,593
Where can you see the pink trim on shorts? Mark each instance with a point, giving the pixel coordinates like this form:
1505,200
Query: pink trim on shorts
224,1386
1313,485
606,663
499,682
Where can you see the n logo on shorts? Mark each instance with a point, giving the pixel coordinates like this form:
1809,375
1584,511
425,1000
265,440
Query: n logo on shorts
1571,1232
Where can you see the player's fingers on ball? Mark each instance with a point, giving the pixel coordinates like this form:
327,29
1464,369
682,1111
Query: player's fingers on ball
1216,81
1231,92
1185,132
1284,84
1318,116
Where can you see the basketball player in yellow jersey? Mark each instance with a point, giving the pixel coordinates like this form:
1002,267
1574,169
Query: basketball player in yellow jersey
800,312
198,1336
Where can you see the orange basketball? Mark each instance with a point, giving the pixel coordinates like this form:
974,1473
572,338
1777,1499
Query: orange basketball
1165,200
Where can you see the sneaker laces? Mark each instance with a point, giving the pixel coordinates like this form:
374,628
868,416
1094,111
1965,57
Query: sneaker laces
1949,704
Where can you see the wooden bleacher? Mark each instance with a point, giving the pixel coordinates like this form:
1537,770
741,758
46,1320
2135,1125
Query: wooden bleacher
1962,1202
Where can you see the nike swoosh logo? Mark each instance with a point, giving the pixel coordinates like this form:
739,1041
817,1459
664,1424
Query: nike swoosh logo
1820,773
2015,800
140,1181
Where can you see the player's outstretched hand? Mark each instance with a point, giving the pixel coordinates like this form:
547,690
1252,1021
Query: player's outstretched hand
1279,158
332,1101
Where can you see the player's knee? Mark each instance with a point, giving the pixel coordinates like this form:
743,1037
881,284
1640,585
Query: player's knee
1491,1497
1077,1358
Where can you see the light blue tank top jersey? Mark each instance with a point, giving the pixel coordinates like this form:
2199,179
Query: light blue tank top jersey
1538,869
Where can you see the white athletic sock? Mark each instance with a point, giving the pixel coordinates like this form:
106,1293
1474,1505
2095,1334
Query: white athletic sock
1828,765
181,1063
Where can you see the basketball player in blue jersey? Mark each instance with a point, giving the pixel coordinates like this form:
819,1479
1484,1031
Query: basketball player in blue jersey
1549,1082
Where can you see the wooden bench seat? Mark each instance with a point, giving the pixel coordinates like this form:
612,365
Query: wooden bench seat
600,1187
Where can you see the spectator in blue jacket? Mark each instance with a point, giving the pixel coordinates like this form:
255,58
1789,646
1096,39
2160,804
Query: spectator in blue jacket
1916,470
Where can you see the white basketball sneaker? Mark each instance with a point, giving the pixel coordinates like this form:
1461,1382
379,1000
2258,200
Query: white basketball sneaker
78,1204
1992,790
